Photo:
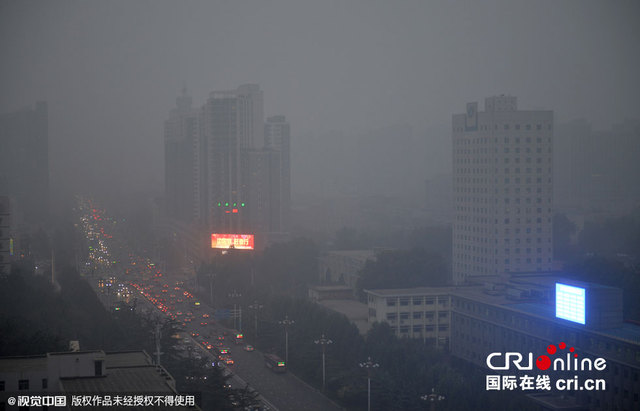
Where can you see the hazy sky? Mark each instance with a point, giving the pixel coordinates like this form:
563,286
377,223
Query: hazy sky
111,70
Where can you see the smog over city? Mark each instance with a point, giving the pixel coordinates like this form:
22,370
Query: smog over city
320,205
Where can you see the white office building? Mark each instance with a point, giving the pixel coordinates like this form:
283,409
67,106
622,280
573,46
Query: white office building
422,312
502,190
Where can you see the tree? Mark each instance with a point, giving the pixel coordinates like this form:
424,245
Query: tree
404,269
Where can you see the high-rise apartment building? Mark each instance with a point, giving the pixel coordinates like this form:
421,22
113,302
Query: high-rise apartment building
24,162
221,171
182,159
502,189
231,122
277,135
6,241
261,172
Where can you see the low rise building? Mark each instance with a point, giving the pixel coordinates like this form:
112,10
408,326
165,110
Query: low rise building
343,267
530,314
423,312
85,372
537,317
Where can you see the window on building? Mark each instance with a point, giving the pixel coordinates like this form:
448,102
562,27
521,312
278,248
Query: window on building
23,384
1,385
417,301
392,316
391,302
404,316
98,368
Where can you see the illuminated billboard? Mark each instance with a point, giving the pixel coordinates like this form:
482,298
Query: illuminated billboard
237,241
570,303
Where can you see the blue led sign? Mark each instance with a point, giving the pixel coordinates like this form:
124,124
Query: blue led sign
570,303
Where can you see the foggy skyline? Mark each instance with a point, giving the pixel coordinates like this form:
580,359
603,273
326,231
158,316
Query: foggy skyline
110,71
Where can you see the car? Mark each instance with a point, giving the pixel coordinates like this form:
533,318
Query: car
249,348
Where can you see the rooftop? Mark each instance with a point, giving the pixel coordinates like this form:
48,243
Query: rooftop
409,292
139,379
127,359
355,311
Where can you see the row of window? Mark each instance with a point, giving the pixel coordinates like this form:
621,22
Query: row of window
461,171
479,141
507,126
507,241
404,301
485,210
24,384
429,315
417,329
507,231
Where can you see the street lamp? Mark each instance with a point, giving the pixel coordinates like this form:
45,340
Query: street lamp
286,323
323,343
255,306
369,365
432,398
235,295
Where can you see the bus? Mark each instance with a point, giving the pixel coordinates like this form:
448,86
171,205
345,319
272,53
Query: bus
275,363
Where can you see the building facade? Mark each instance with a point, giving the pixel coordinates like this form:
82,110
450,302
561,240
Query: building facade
520,316
6,241
24,163
277,136
343,267
182,160
502,190
84,372
423,312
223,175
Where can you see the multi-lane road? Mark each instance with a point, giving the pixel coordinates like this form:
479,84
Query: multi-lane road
163,297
